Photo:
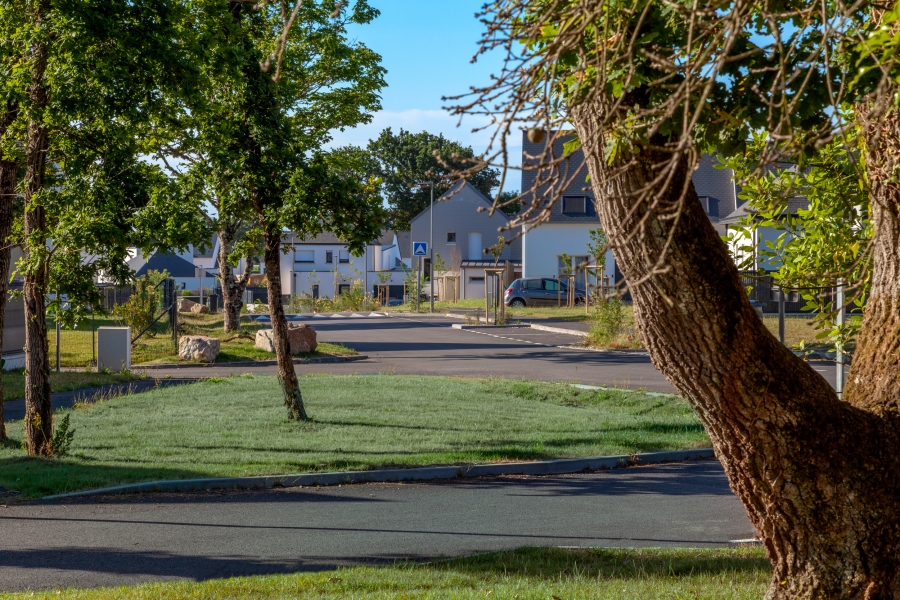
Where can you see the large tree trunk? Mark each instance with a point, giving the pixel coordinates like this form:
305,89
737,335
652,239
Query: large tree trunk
287,377
8,172
819,477
232,287
38,411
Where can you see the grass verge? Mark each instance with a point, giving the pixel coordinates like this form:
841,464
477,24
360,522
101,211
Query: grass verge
237,426
14,381
598,574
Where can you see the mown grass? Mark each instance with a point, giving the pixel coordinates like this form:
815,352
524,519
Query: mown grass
238,426
596,574
158,347
14,381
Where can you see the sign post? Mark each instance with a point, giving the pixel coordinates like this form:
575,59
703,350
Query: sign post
420,250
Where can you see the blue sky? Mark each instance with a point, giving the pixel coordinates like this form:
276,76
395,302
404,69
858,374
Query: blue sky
426,47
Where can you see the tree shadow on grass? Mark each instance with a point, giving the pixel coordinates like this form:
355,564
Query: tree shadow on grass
553,563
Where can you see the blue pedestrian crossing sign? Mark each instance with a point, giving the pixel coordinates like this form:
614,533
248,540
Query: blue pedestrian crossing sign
420,248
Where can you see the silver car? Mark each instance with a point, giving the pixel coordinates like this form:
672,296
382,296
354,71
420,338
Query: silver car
540,291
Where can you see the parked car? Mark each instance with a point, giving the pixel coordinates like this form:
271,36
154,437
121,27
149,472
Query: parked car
540,291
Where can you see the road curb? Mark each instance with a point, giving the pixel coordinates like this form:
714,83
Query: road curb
549,329
546,467
253,363
488,326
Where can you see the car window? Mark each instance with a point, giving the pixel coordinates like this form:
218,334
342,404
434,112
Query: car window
531,284
551,285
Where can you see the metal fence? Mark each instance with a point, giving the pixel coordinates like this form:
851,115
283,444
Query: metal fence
77,346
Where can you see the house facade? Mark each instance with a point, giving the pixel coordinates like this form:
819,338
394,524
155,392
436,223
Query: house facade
461,234
324,266
574,214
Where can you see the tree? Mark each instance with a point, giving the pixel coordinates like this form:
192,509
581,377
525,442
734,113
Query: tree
84,82
827,240
322,81
407,159
648,86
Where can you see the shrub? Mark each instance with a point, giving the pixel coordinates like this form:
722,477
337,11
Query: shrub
607,324
145,303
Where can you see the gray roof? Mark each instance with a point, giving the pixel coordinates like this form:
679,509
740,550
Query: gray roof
793,205
166,261
327,238
489,263
207,250
404,240
714,185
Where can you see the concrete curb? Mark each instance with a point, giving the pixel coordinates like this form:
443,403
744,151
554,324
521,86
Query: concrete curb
253,363
558,330
546,467
487,326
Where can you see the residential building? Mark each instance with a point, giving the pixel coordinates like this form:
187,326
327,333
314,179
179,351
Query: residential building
324,266
574,214
462,233
746,245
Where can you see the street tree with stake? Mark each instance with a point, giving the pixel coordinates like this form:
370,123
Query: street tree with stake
647,86
299,78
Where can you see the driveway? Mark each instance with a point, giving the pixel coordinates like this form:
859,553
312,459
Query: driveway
123,540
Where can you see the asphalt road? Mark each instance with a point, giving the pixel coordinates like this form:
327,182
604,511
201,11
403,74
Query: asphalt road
124,540
423,344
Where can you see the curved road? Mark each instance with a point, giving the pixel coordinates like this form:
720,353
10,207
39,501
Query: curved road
120,540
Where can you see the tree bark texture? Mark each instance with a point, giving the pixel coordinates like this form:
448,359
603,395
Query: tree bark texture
232,287
8,172
874,384
820,478
287,377
38,411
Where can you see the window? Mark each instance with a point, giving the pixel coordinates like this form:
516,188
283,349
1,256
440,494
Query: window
343,289
329,256
574,205
476,279
344,256
304,256
315,291
551,285
451,237
531,284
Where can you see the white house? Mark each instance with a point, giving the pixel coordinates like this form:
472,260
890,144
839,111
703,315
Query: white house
324,266
574,214
182,265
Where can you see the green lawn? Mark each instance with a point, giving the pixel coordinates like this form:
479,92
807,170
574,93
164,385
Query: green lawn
238,426
725,574
158,347
14,381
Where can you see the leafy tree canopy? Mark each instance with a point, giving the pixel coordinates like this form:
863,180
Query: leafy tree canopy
406,159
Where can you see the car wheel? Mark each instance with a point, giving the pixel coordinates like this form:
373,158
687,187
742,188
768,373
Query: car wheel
518,302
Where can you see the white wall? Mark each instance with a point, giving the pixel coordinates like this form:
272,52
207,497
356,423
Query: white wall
542,245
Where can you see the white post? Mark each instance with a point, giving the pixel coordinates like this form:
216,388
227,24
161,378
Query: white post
839,359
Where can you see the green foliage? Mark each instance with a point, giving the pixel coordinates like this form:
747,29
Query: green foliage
106,71
439,265
406,159
609,317
144,304
497,249
509,203
566,261
62,437
597,247
819,244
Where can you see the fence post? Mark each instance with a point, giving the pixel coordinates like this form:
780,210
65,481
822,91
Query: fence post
839,359
93,340
57,337
781,313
